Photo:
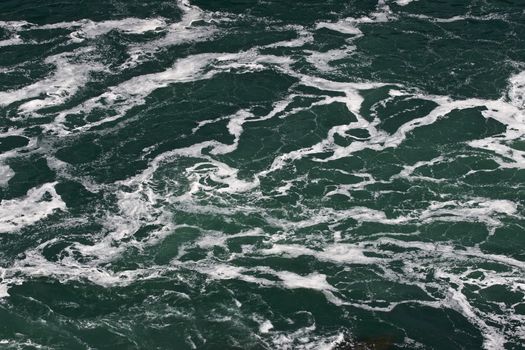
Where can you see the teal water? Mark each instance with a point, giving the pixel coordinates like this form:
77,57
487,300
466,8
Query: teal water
262,174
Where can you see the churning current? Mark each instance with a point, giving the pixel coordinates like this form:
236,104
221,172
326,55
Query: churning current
333,174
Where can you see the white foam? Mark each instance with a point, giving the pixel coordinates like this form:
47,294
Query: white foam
55,89
138,206
499,110
306,338
448,252
235,128
18,213
304,37
218,172
346,189
404,2
3,286
408,170
459,18
14,40
142,203
316,281
6,173
346,27
321,60
516,91
3,291
226,272
71,73
338,253
133,92
69,269
90,29
288,280
265,327
211,239
353,101
177,33
509,113
458,301
328,215
478,209
437,258
13,27
350,25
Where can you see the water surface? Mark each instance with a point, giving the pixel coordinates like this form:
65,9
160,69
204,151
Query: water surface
262,174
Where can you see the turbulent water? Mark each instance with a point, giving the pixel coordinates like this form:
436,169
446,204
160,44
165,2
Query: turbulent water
262,174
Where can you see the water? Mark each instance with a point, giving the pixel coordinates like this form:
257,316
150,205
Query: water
262,174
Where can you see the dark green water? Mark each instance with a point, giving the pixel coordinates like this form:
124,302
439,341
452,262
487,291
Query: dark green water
262,174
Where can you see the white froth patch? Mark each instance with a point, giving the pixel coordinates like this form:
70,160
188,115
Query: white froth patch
90,29
69,77
504,112
289,280
516,90
479,209
3,291
349,25
69,269
6,173
265,327
336,253
459,18
321,60
218,172
227,272
304,37
408,170
326,215
509,111
458,301
137,209
345,27
56,88
235,128
316,281
438,257
3,286
306,338
20,212
15,40
396,93
13,27
176,33
133,92
404,2
353,101
210,240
